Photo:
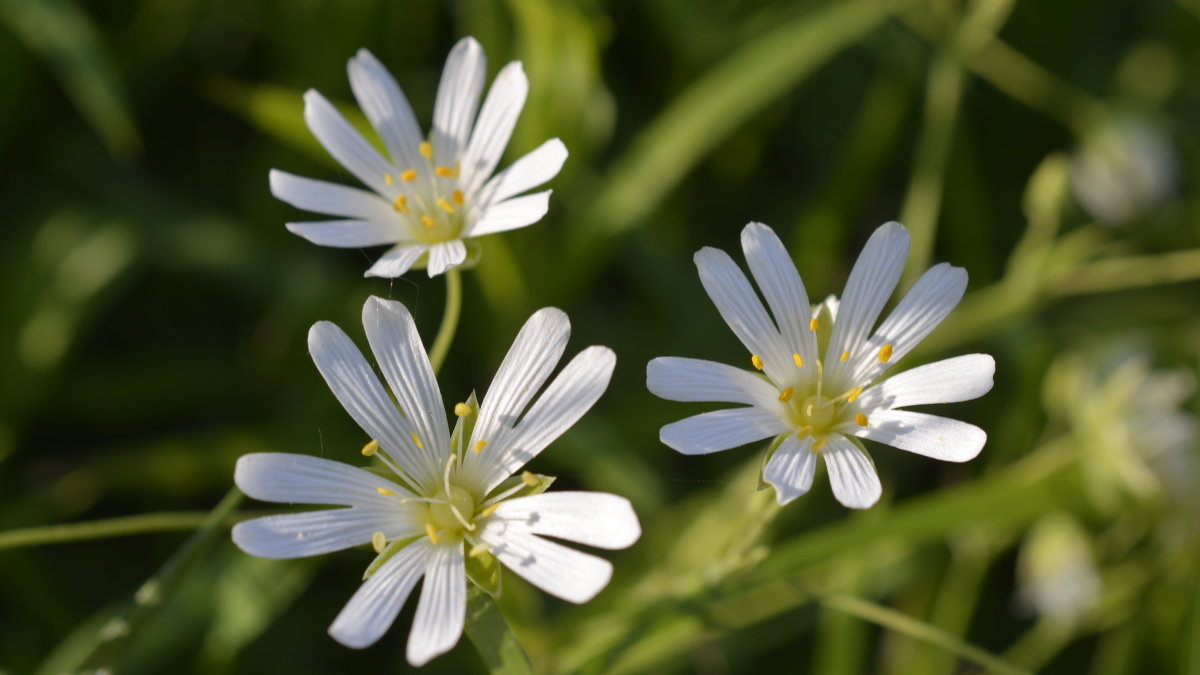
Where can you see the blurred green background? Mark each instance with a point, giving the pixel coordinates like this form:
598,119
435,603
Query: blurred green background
154,312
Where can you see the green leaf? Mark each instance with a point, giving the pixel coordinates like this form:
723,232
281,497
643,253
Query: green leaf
465,426
534,484
493,639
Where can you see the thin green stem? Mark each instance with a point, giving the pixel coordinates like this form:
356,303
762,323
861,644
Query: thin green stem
489,632
445,335
177,521
890,619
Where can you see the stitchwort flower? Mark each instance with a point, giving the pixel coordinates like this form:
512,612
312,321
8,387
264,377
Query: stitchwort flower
819,386
445,506
432,192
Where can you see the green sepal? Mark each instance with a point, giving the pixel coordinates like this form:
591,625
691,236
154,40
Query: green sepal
390,550
465,426
484,571
543,483
775,443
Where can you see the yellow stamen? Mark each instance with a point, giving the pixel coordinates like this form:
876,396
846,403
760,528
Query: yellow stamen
489,510
458,197
431,532
426,149
417,441
854,394
786,394
480,445
885,353
444,171
387,179
529,479
401,204
409,176
817,445
860,419
378,542
757,361
462,409
445,205
799,361
804,432
813,324
478,550
845,355
385,492
370,449
428,222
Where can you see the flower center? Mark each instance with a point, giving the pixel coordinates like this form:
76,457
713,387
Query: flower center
427,198
442,513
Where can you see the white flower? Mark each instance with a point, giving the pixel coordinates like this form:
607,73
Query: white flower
1124,169
447,500
820,387
1057,571
433,192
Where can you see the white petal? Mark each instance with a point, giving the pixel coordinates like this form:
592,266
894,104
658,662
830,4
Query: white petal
790,470
780,283
511,214
328,198
495,125
397,261
298,535
348,233
387,108
457,100
743,311
681,379
344,142
377,602
720,430
560,571
568,397
302,479
918,313
937,437
592,518
357,388
961,378
871,283
851,473
527,172
442,607
534,353
401,356
445,255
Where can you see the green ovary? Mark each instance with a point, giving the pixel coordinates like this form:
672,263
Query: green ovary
442,516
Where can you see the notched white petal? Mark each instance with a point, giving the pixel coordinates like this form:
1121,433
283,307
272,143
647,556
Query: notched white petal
442,608
851,474
562,572
791,469
592,518
720,430
375,605
929,435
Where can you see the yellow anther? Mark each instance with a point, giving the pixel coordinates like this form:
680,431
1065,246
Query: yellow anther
417,441
798,361
428,222
462,409
431,532
409,176
426,149
860,419
385,492
813,324
479,446
444,171
478,550
804,432
845,355
370,449
529,479
378,542
387,179
854,394
786,394
817,445
489,510
458,197
401,204
757,361
445,205
885,353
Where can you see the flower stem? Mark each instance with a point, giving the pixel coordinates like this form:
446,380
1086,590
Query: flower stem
492,637
177,521
445,335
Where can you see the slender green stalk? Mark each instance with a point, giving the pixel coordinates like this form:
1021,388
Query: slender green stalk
918,630
123,526
445,335
1136,271
487,629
